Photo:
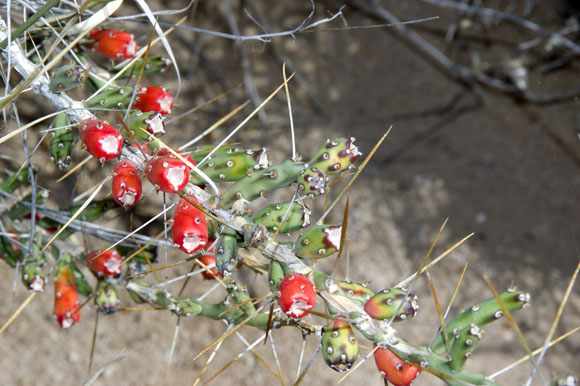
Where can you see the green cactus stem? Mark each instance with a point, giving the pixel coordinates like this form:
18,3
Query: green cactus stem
226,252
200,152
153,65
242,298
276,272
115,98
312,181
357,292
339,346
106,297
15,180
318,241
336,156
295,217
480,315
61,141
232,166
67,78
262,182
145,126
463,345
384,305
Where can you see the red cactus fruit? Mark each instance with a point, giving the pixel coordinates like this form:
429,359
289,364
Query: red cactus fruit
113,44
209,261
297,295
104,262
66,298
166,152
126,184
102,141
168,174
189,227
394,369
153,98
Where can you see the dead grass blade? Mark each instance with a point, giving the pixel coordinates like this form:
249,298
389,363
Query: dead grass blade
17,312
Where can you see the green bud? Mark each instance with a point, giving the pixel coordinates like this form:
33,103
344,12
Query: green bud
385,304
296,217
67,77
336,156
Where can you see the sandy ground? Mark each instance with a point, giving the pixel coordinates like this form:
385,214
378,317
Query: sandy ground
502,170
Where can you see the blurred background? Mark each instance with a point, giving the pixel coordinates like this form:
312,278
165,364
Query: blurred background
482,97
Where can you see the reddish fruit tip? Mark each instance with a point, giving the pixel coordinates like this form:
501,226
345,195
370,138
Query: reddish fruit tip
394,369
66,299
154,99
126,186
209,261
104,262
102,141
189,227
168,174
297,295
113,44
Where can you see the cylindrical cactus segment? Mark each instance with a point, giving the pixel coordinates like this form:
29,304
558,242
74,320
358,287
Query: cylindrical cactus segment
67,77
61,141
226,252
358,292
200,152
339,346
336,156
153,65
391,302
262,182
295,217
232,166
463,345
312,181
276,273
144,126
242,298
115,98
318,241
106,297
481,314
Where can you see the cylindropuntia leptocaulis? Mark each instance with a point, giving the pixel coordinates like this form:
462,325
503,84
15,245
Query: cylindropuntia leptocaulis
225,215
